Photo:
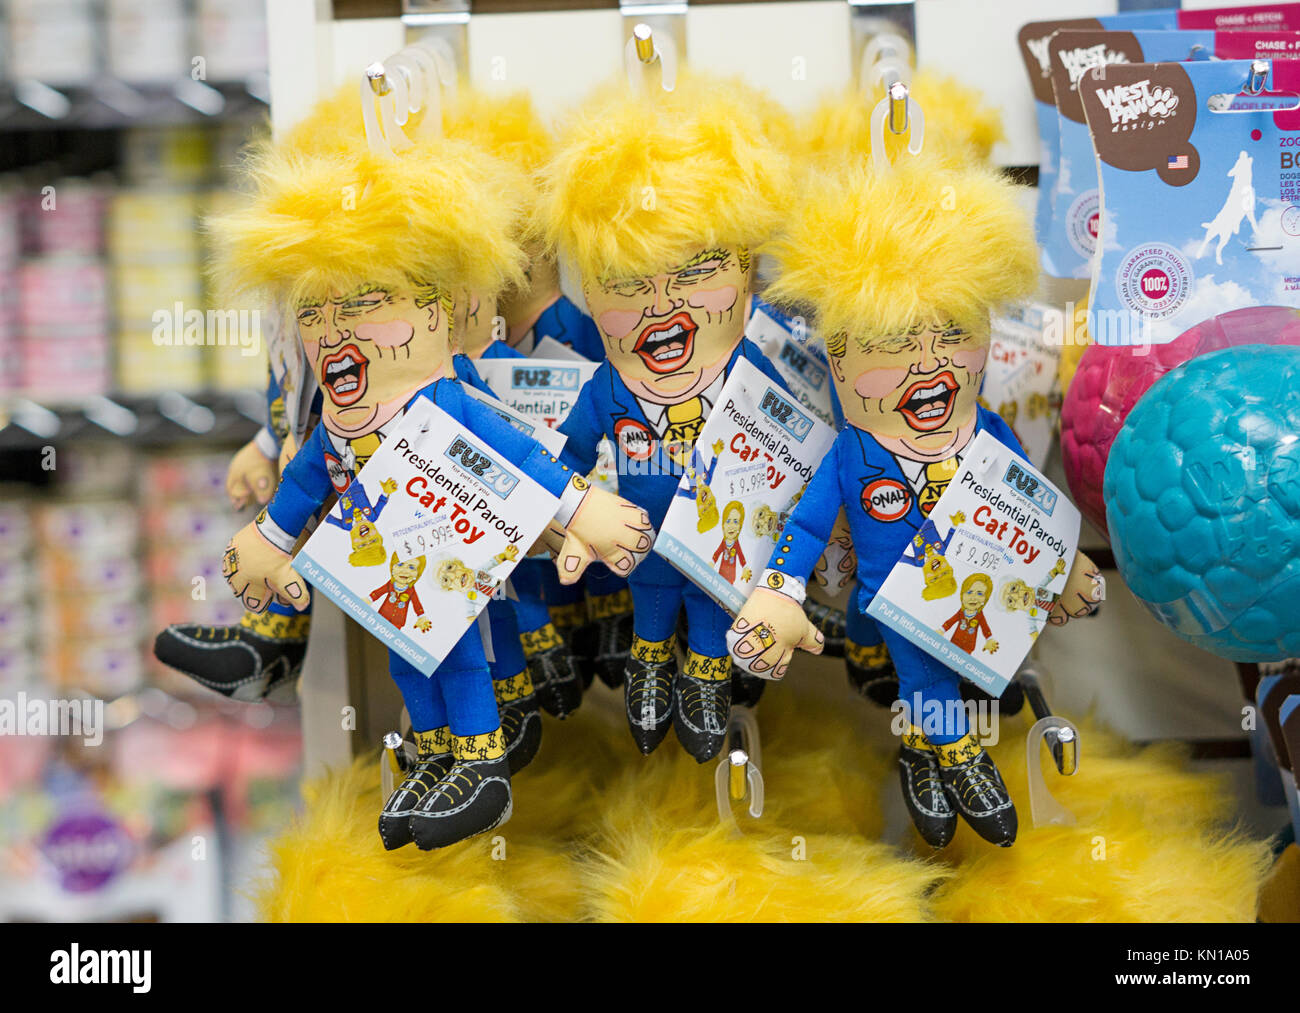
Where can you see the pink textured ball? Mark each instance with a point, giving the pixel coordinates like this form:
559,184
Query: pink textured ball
1111,379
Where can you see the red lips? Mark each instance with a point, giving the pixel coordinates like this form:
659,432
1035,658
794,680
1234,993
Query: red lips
666,347
927,404
343,374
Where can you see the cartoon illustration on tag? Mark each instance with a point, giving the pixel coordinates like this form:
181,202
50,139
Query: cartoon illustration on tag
1239,206
968,622
767,522
705,502
1035,602
729,552
357,517
399,593
926,551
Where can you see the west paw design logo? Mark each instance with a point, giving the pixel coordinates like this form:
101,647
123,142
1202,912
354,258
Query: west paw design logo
783,412
563,379
482,465
1081,59
803,365
1023,483
1140,105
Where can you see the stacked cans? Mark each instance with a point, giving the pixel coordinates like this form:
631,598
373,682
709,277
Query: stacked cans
63,303
188,522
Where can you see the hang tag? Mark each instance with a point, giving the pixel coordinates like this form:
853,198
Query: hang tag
426,534
975,585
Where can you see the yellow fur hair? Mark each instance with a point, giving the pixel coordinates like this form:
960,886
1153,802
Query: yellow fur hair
641,182
506,126
960,126
873,253
1153,843
602,833
443,213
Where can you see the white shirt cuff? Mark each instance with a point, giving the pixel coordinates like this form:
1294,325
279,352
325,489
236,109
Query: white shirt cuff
783,583
265,442
275,534
574,493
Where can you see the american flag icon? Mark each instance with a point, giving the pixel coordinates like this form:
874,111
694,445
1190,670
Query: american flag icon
1178,161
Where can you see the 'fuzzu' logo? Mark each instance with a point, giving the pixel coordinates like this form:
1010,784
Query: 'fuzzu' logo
804,366
1019,480
785,414
559,378
482,466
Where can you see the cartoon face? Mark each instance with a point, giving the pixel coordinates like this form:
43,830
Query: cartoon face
371,350
669,335
406,573
915,391
453,575
704,499
475,323
364,534
732,521
975,594
937,572
1016,595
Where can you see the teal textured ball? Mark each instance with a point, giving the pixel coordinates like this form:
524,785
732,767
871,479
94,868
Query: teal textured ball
1202,493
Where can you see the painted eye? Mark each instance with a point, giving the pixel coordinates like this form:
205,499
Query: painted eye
696,271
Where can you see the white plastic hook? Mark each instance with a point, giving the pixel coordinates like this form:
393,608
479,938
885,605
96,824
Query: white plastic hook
1044,809
376,91
896,99
642,51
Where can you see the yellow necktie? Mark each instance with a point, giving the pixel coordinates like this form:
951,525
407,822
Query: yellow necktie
685,421
937,477
364,447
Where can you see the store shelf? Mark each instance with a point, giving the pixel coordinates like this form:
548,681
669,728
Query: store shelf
109,104
144,421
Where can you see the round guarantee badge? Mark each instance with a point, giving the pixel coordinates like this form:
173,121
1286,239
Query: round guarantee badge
1082,221
1154,280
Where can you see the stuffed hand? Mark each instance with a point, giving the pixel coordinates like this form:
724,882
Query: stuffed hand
1085,590
251,475
766,632
608,529
256,570
549,541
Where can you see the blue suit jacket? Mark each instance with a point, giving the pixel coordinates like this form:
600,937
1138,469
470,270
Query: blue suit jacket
863,477
306,483
606,408
567,324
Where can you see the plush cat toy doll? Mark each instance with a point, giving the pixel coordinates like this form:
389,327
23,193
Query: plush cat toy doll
368,251
961,127
563,644
901,269
659,200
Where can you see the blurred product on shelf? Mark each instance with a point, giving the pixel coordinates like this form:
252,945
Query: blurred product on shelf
53,41
148,40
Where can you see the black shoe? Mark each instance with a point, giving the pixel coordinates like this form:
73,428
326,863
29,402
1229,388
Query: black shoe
871,673
831,622
1010,703
234,660
395,819
746,689
569,621
927,804
523,732
555,681
607,639
975,789
472,798
648,697
701,707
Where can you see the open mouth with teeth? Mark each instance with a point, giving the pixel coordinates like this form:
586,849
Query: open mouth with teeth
667,347
927,404
343,374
